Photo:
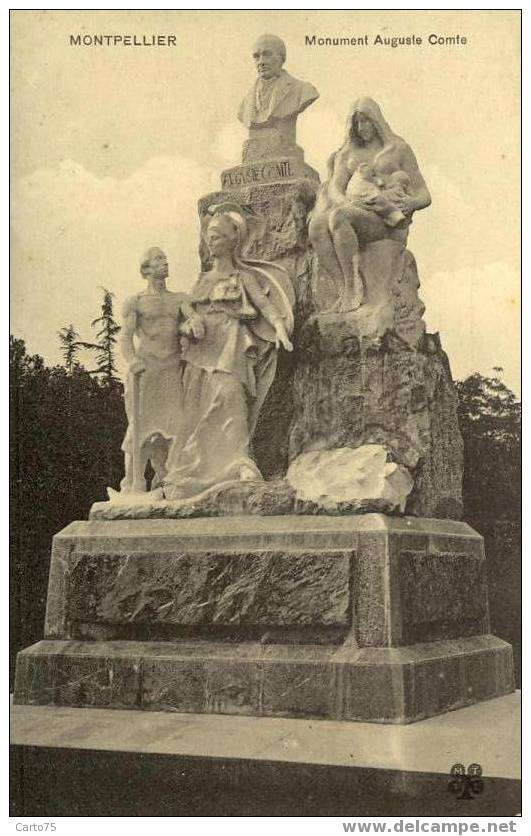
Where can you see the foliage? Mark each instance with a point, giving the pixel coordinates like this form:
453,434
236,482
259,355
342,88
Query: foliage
490,422
66,429
69,339
106,340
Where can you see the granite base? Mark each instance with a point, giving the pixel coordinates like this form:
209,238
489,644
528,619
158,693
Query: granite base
374,580
365,618
382,685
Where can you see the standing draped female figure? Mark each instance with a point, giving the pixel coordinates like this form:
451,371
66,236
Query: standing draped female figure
246,309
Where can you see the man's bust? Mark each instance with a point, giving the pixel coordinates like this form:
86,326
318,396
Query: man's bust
275,95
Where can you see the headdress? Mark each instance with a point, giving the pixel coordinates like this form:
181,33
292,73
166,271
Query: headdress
273,278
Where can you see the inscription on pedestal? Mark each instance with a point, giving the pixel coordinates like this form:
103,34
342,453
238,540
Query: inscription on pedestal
261,172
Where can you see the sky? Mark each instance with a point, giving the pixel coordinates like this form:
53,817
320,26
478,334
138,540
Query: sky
111,148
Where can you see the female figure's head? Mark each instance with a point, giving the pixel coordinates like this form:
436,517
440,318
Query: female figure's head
366,124
222,235
226,232
362,129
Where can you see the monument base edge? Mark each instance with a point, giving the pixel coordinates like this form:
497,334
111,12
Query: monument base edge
379,685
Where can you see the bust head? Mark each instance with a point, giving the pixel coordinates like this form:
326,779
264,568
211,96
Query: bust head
269,53
154,264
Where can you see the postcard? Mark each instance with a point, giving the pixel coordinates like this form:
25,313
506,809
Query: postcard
265,413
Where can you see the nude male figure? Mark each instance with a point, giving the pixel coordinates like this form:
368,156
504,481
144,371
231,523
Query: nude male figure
156,317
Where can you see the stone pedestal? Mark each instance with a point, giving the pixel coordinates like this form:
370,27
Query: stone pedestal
281,168
351,618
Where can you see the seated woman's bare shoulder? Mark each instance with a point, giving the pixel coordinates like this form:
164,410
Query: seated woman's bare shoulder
342,158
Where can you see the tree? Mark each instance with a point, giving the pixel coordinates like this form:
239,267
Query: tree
106,340
490,421
70,345
66,430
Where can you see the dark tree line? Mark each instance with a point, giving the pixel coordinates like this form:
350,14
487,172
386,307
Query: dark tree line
67,425
66,428
490,421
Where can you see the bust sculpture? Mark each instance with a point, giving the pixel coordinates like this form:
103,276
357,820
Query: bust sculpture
271,106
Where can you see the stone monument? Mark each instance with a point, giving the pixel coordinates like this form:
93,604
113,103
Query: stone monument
340,583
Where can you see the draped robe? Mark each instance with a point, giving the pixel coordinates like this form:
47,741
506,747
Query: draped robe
226,378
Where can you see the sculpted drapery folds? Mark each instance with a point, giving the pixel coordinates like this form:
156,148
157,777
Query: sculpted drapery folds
246,310
374,187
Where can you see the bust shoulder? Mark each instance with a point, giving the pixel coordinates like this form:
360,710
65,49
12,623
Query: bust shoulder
305,92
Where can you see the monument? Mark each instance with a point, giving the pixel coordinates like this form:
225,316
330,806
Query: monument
336,580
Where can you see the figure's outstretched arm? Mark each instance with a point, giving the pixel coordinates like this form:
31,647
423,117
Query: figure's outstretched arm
268,311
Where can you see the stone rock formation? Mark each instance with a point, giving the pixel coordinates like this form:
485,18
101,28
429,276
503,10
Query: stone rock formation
352,390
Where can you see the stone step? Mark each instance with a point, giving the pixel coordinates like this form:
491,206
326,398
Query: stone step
379,685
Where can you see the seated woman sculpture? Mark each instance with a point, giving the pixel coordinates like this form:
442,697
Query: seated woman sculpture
246,309
339,225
